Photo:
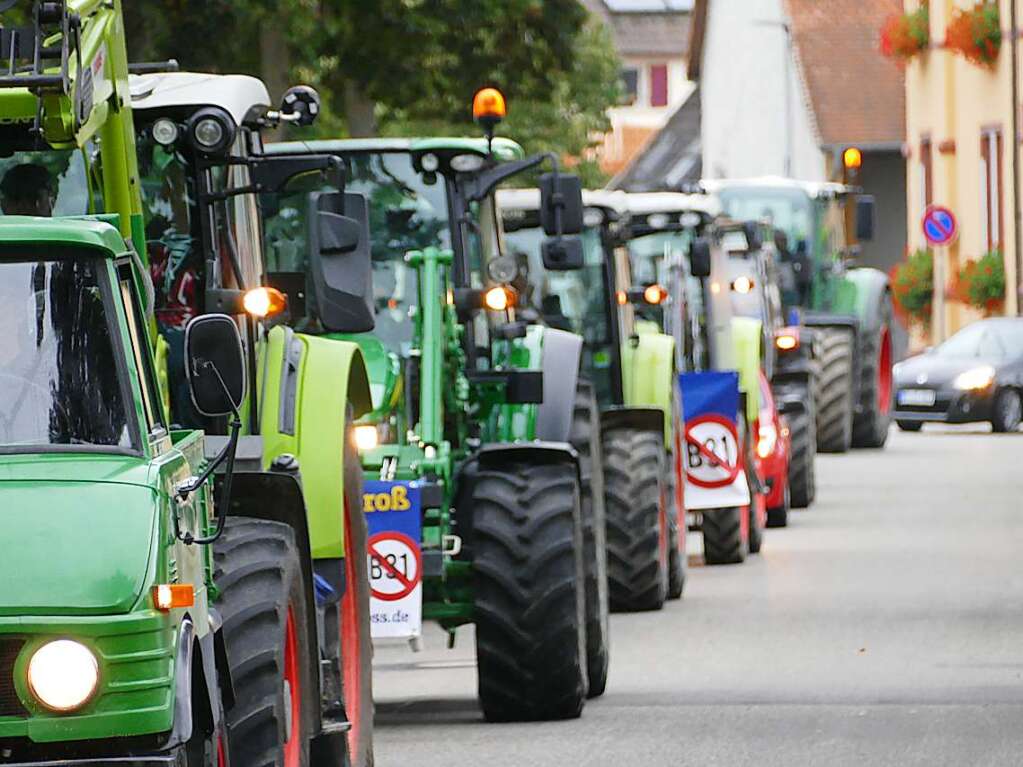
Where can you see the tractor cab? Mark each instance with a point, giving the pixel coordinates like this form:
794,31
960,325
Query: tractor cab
817,230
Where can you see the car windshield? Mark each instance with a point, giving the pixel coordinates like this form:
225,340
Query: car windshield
59,378
788,210
53,182
988,338
407,212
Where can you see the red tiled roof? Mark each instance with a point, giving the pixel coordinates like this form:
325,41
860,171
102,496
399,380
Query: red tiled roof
857,95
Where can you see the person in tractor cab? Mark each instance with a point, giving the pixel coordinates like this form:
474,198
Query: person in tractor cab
27,189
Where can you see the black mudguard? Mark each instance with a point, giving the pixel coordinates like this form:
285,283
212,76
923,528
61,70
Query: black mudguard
621,416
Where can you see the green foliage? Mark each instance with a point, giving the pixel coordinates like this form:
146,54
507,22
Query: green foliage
981,283
404,67
913,286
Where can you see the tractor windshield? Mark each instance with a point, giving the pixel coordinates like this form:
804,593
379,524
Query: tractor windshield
407,210
48,183
60,379
576,301
788,210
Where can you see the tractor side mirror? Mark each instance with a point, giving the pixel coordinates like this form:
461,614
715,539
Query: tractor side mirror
300,105
339,260
865,217
562,254
753,239
561,193
215,365
699,257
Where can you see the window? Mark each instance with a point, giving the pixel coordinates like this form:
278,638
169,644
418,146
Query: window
630,86
926,172
140,348
658,85
61,377
991,185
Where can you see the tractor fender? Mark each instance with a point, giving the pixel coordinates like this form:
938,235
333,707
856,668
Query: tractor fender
276,496
870,287
310,385
648,365
643,418
188,645
560,364
497,454
747,337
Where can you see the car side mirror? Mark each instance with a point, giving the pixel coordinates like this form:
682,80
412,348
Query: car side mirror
340,260
561,193
214,365
562,254
865,213
699,257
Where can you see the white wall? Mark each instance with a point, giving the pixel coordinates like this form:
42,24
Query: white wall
743,96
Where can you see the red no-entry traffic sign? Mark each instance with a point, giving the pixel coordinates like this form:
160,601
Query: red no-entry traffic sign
939,225
395,566
712,457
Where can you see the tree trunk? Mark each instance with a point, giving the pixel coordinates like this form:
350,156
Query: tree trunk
274,63
360,112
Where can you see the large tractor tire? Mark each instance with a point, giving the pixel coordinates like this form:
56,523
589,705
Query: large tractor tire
263,603
725,542
677,565
834,393
585,438
874,415
637,524
356,642
530,592
802,473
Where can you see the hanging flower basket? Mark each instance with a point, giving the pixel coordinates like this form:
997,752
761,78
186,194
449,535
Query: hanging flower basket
904,35
981,283
976,33
913,288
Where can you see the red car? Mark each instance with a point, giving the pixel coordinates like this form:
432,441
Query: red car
772,452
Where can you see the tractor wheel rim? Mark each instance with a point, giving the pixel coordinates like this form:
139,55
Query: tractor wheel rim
884,372
293,689
351,644
221,754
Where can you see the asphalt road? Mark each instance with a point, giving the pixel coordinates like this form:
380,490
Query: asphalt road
883,626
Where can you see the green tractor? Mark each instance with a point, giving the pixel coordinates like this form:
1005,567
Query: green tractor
790,352
678,248
139,624
471,420
849,307
202,172
629,367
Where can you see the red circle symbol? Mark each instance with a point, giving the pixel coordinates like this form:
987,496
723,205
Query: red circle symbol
400,563
939,225
712,441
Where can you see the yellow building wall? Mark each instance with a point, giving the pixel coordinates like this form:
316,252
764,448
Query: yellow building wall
951,100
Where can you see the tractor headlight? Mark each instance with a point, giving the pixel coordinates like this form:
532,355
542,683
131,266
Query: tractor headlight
366,436
211,130
977,378
165,132
63,675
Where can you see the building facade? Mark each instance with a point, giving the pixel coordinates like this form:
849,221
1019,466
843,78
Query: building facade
651,38
962,151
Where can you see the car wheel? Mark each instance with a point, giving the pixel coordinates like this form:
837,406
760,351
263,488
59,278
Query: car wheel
1008,411
910,425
